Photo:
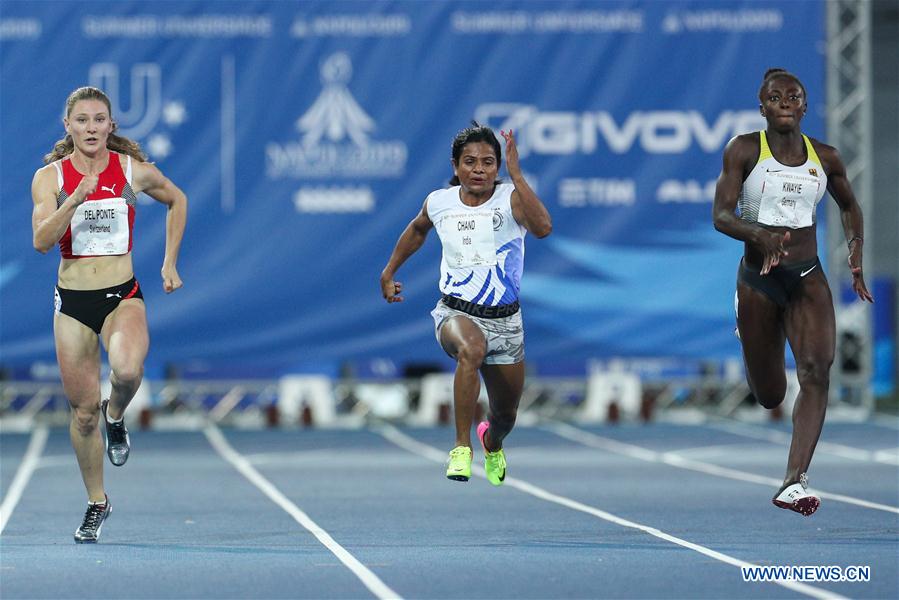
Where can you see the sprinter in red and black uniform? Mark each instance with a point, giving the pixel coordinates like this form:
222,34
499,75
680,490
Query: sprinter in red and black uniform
84,200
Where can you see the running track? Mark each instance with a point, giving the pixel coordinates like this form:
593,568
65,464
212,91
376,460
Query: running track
635,511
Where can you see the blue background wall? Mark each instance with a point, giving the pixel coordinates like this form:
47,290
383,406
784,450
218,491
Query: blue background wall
306,136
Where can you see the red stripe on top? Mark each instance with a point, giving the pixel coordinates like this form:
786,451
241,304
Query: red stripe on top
112,178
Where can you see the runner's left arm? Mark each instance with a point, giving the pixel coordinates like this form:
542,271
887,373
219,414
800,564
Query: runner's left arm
850,215
151,181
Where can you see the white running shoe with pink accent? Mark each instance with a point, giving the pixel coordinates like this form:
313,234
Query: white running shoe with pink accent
797,498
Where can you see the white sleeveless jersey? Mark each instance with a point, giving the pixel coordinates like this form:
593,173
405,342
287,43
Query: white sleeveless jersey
775,194
483,246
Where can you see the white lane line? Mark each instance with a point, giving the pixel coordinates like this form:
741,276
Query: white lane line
243,466
885,420
23,474
675,460
782,437
413,446
717,450
889,456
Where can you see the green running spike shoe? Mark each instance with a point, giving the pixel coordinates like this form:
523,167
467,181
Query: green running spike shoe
494,462
458,466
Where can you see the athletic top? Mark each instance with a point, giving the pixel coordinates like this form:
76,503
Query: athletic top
775,194
483,246
104,223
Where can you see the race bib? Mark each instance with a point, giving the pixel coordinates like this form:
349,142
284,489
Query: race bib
100,228
468,239
788,199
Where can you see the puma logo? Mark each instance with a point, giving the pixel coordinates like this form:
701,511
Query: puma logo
116,295
111,190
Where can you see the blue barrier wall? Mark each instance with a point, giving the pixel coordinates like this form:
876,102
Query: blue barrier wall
307,135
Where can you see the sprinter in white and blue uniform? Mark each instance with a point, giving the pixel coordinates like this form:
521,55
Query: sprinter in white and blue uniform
481,223
776,178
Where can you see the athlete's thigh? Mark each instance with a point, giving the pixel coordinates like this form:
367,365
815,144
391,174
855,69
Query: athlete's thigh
760,322
504,384
810,323
459,331
78,354
125,334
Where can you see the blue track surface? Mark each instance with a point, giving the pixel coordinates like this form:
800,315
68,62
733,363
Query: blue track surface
187,524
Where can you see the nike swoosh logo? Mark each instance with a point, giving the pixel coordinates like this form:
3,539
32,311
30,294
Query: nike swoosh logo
804,273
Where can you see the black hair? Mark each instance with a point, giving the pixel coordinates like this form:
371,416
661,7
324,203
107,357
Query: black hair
472,135
775,73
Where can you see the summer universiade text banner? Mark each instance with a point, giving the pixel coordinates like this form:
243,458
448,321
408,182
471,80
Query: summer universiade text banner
307,135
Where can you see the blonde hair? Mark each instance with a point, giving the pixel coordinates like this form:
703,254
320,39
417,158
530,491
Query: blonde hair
117,143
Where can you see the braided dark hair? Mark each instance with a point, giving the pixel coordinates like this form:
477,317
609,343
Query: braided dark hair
474,134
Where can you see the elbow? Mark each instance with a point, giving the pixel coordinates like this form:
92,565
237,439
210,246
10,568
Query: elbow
719,221
179,202
544,230
39,245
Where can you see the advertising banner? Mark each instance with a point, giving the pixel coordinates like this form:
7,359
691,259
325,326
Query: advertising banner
307,135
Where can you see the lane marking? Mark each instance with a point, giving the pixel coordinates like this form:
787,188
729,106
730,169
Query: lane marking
243,466
675,460
29,463
885,420
889,456
782,437
413,446
717,449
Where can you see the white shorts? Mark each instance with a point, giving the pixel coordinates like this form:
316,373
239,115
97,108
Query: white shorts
505,336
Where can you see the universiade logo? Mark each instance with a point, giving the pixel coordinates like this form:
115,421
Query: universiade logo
147,108
335,136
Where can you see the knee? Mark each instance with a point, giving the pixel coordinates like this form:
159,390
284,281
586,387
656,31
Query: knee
472,354
86,418
128,374
504,419
814,373
770,396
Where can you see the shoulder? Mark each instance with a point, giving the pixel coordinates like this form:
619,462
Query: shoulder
830,156
747,143
47,170
146,175
507,195
446,190
742,151
441,195
47,173
45,181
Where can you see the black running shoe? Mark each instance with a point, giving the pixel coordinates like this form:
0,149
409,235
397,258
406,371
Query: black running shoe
117,442
89,532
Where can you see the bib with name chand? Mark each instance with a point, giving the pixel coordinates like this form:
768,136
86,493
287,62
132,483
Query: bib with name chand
483,246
